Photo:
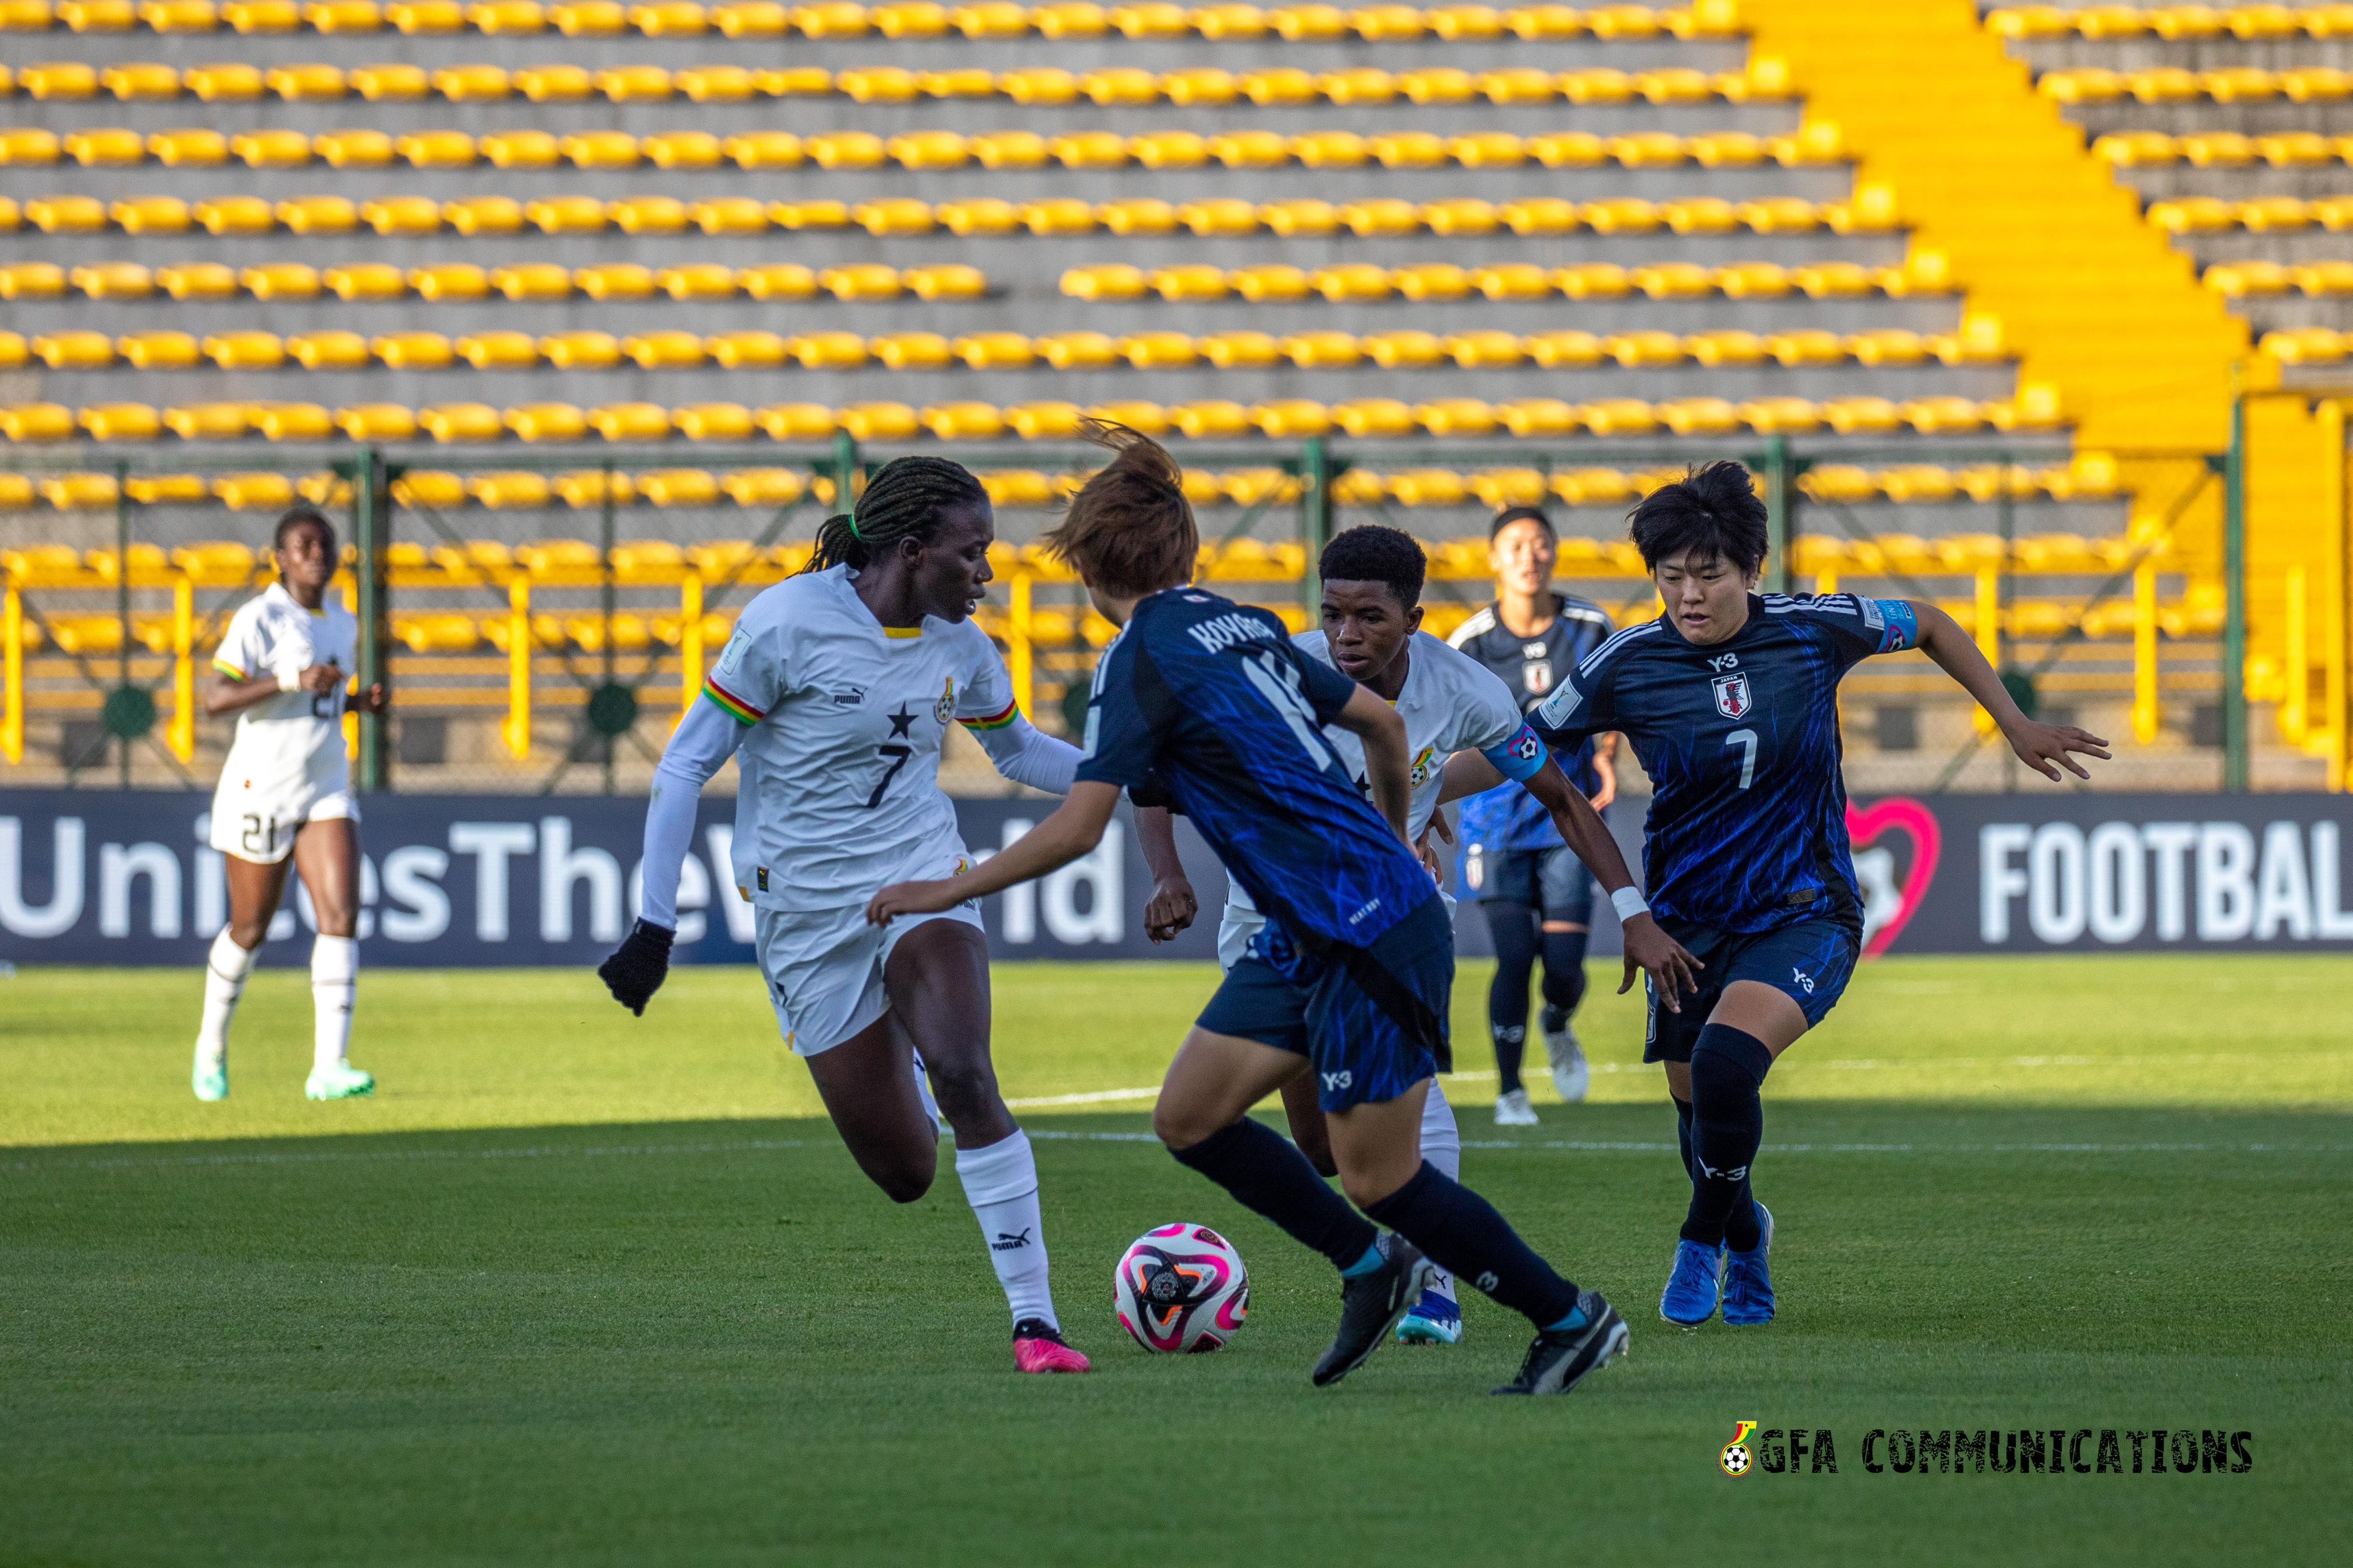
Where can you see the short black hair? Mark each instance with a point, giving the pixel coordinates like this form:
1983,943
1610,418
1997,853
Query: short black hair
1714,511
1373,553
1512,514
303,517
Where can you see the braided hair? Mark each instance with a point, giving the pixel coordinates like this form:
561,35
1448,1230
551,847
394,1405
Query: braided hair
908,497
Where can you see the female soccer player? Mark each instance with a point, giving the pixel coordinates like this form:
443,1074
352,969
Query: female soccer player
834,696
1731,702
1208,705
284,669
1537,896
1372,579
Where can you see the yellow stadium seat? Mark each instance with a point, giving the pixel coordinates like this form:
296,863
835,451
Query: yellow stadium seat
192,280
66,215
450,282
994,350
1354,281
1270,283
614,281
114,280
1078,351
946,280
1431,280
318,215
499,350
209,421
236,214
413,351
159,351
435,149
795,422
827,351
329,351
366,280
354,149
778,281
588,18
745,350
74,351
1182,284
663,350
376,422
31,280
699,280
543,423
600,150
647,215
861,281
461,422
30,422
290,422
280,281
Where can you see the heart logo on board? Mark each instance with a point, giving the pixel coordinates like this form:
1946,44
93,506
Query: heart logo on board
1888,905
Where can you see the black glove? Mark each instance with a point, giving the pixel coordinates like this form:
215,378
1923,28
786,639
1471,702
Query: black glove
638,966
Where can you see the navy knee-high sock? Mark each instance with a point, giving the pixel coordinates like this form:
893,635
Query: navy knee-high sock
1513,927
1268,1175
1564,975
1728,1067
1462,1234
1683,1135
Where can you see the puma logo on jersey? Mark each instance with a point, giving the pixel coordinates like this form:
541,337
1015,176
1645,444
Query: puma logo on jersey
1007,1241
849,697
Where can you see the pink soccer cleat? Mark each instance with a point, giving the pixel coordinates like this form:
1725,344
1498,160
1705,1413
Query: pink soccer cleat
1038,1347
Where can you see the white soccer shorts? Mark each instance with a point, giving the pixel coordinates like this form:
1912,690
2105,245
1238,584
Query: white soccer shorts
259,826
824,968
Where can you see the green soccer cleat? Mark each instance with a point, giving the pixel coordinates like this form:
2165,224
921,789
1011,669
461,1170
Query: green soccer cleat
210,1080
343,1081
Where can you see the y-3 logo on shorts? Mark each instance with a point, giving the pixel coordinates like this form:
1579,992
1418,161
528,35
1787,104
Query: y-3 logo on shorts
1339,1079
1804,979
1007,1241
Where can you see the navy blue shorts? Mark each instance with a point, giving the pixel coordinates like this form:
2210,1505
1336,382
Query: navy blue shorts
1810,962
1552,881
1371,1021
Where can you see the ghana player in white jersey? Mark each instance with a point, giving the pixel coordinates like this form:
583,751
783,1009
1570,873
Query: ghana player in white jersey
284,669
1372,582
834,696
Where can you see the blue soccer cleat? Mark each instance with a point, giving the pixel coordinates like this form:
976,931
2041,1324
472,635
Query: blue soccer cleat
1748,1278
1689,1299
1435,1319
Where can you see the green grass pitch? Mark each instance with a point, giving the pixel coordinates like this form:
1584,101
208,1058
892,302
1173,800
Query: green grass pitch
577,1288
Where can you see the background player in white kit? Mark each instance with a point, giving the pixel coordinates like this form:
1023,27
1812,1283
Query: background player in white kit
285,796
1372,580
834,696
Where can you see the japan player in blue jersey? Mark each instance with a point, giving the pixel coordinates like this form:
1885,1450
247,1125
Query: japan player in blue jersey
1205,706
1536,896
1730,699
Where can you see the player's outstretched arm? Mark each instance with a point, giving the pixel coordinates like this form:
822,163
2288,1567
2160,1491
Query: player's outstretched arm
1388,766
2045,748
1173,904
1028,755
701,745
1076,827
1649,949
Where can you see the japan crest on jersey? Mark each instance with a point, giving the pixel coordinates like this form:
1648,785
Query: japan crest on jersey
1536,675
1732,695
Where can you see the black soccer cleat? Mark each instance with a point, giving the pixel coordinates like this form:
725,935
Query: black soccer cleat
1370,1306
1558,1360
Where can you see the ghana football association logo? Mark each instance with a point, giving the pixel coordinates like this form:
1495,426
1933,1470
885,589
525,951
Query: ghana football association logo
945,708
1736,1459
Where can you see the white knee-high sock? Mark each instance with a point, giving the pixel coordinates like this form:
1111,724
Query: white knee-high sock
1000,1182
1442,1145
227,968
334,977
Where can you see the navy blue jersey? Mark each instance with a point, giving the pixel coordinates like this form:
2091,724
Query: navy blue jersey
1747,823
1507,818
1206,706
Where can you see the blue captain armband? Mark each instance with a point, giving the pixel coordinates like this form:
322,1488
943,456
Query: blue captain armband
1519,759
1897,624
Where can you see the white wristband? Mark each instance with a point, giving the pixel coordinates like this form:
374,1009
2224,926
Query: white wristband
288,680
1628,902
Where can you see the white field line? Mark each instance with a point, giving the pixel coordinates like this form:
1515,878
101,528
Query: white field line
758,1145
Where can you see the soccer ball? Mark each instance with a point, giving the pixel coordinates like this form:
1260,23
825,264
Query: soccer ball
1181,1288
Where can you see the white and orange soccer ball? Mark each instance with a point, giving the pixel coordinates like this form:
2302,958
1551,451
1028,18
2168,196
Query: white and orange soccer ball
1181,1288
